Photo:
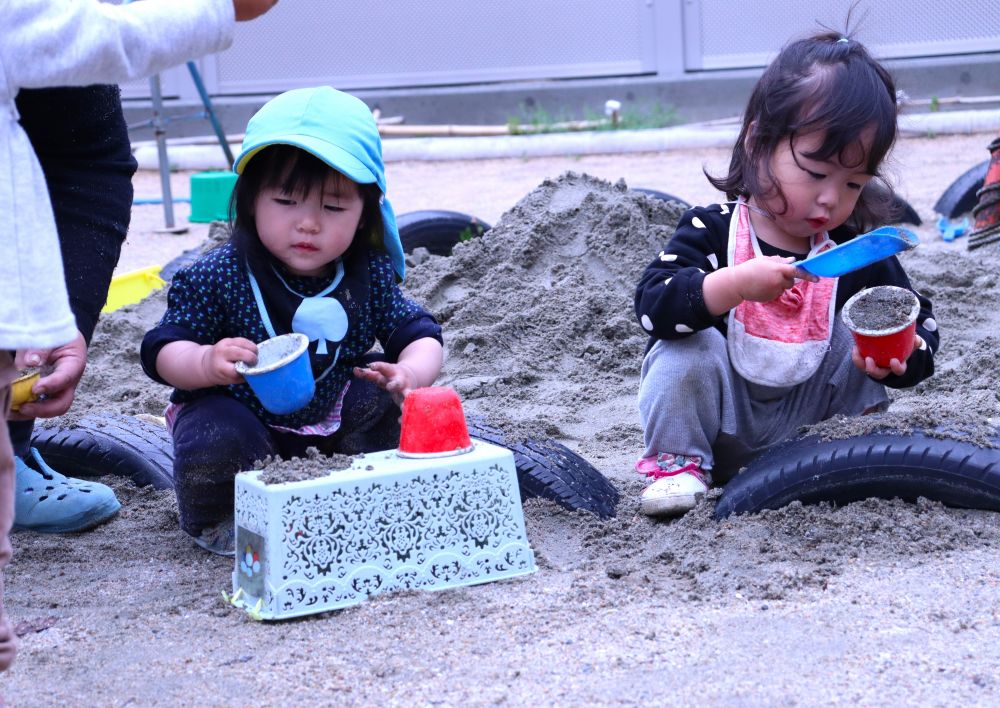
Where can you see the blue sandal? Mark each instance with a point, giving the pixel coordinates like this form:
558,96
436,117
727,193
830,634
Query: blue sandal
48,502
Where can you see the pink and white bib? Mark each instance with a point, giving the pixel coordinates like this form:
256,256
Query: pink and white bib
782,342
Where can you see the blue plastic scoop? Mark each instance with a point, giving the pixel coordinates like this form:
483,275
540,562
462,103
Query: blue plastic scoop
859,251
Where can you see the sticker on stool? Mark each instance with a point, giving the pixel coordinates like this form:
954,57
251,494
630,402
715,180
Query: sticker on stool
251,561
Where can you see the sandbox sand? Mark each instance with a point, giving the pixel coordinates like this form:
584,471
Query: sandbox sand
879,602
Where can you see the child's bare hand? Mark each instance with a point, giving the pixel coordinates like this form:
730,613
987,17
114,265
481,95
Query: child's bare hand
251,9
219,360
764,279
397,379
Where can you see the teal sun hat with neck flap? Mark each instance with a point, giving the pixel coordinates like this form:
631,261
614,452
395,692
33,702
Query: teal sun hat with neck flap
337,128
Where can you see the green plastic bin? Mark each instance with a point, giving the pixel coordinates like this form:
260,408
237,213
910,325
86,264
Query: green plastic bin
210,193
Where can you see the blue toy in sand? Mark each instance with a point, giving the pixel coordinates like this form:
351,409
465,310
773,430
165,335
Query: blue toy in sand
950,230
859,252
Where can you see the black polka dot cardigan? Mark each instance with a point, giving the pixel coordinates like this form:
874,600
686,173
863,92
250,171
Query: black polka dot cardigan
670,303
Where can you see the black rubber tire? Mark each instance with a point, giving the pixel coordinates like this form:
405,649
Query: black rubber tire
437,231
960,197
182,261
662,195
550,470
885,465
110,444
906,213
902,212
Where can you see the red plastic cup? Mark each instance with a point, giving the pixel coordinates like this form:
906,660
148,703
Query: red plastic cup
433,424
883,345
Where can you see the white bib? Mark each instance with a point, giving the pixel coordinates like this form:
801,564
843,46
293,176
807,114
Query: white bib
782,342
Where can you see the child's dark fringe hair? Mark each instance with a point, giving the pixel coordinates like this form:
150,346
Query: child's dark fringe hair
818,83
292,170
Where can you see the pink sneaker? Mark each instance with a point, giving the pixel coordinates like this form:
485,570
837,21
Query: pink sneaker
678,484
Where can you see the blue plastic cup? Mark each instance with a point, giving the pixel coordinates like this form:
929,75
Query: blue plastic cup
282,378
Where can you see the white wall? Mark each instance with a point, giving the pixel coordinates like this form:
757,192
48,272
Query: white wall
374,44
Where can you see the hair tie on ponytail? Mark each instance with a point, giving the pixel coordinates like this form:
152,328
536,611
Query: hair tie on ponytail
842,39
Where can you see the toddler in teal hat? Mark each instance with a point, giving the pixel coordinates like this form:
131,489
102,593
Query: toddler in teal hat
314,250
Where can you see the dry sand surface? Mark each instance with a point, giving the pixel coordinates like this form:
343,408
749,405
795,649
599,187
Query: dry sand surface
879,602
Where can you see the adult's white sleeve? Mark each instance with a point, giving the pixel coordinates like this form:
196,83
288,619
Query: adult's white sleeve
81,42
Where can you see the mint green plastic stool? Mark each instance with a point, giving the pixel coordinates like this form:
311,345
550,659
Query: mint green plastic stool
210,193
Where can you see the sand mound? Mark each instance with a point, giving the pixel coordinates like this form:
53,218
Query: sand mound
538,313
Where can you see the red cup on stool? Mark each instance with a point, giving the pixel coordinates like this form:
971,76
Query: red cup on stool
890,336
433,424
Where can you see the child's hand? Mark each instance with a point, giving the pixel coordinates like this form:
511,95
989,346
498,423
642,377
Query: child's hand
397,379
759,280
218,361
764,279
868,365
250,9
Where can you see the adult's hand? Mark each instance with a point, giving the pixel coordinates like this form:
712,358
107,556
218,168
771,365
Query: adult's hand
63,367
251,9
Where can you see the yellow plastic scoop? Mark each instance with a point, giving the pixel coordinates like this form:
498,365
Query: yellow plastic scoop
130,288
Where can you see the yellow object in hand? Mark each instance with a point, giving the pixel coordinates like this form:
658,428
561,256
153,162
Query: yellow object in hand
20,389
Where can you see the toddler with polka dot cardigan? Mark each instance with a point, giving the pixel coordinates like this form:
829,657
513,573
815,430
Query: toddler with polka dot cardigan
314,250
744,346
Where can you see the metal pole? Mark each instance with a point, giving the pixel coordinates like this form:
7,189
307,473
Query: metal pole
207,103
161,148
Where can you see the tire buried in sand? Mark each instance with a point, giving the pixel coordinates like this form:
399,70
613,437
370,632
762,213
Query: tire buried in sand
549,470
886,465
961,195
438,231
124,446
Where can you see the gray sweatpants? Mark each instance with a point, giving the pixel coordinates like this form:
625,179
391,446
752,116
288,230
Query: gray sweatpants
692,401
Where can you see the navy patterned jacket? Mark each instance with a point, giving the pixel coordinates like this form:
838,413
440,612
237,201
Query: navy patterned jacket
212,299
